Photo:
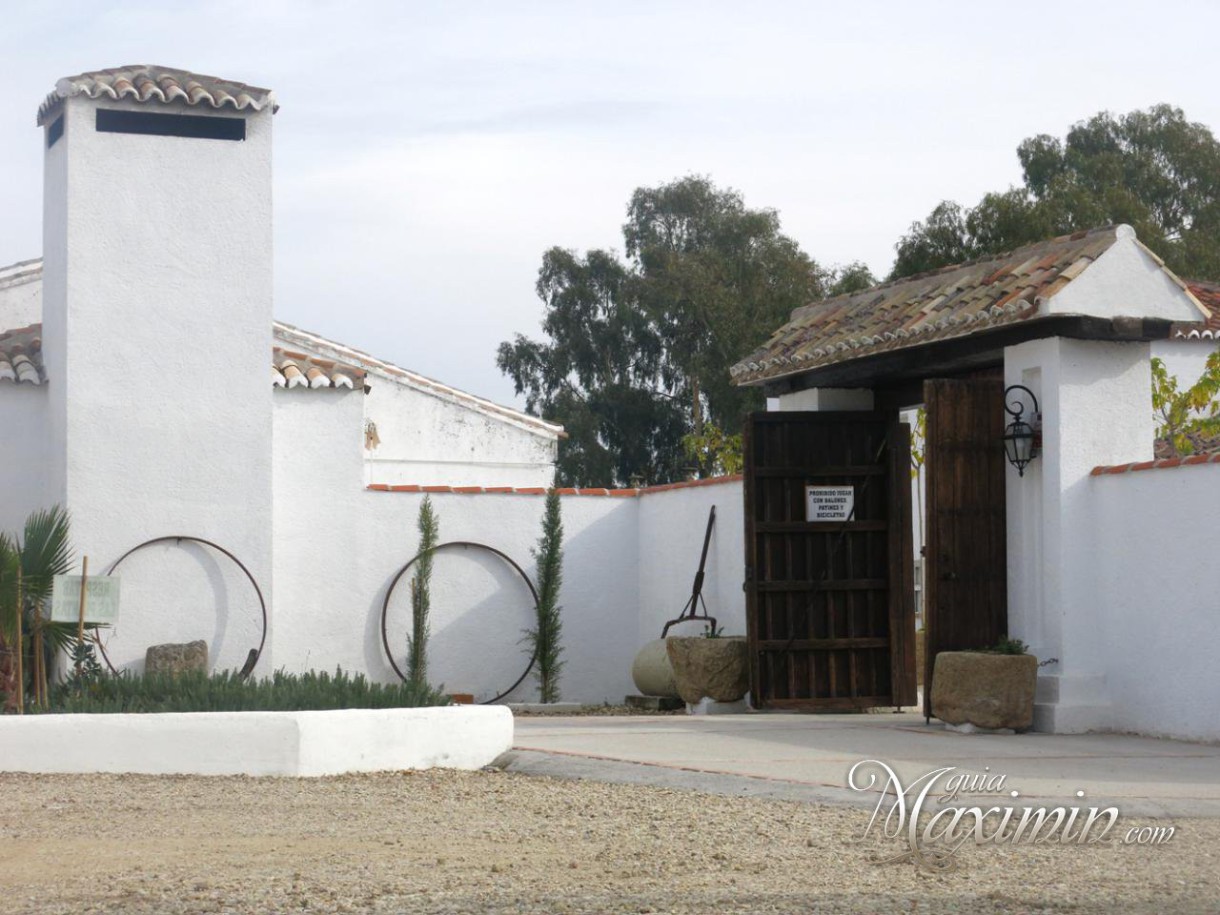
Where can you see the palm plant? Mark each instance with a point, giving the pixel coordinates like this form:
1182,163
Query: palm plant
28,567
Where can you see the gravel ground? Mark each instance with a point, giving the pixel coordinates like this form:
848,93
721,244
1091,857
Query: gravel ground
493,842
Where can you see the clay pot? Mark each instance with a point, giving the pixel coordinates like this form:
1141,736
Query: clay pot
652,673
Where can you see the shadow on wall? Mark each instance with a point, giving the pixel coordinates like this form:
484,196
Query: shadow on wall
178,593
481,608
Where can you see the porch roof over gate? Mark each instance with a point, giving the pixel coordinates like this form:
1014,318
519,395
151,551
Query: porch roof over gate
965,300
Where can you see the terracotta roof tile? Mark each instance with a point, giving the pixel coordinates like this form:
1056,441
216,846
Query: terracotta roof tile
950,302
297,370
149,83
288,335
1208,295
21,363
21,355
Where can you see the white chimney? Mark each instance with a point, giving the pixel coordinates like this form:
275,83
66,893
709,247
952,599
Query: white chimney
157,286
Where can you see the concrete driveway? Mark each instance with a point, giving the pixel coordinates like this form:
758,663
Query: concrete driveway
808,757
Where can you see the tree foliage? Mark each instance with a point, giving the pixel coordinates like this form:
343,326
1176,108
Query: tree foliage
421,594
545,638
1152,169
28,566
1181,415
637,351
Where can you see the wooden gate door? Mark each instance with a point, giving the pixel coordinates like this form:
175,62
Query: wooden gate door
829,603
965,560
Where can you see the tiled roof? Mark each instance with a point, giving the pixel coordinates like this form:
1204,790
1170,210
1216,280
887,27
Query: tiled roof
21,355
299,370
1208,295
146,83
1200,443
21,363
314,343
951,302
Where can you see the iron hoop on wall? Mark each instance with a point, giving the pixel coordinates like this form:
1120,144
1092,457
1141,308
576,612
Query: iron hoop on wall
385,606
255,653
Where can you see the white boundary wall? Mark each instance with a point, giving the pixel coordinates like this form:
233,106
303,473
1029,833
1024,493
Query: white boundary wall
1156,610
629,563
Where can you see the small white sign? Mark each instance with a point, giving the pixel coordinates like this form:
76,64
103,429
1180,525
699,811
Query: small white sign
829,503
101,599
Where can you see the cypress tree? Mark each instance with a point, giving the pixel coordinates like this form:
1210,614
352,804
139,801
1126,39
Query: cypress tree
421,597
544,638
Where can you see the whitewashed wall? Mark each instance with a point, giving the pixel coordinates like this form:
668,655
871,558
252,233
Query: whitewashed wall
338,549
434,438
671,528
23,453
1154,604
20,295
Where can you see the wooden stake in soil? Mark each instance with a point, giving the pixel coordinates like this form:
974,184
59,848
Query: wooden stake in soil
39,664
80,622
20,650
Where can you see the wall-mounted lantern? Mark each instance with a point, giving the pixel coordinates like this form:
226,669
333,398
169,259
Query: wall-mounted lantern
1021,440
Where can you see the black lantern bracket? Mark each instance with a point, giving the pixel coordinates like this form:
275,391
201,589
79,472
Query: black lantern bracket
1022,440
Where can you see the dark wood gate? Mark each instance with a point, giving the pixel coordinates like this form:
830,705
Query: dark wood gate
965,562
829,604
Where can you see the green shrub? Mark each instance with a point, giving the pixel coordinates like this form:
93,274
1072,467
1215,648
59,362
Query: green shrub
1005,645
226,692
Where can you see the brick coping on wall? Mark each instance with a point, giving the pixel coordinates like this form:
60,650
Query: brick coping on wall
1161,464
541,490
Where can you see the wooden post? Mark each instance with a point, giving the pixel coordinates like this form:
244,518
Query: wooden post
20,649
38,664
80,622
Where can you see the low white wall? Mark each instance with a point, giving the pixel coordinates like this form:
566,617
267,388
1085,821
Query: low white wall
257,743
1155,610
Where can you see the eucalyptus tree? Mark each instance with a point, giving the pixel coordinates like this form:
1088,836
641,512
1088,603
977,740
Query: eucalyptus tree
1152,169
637,350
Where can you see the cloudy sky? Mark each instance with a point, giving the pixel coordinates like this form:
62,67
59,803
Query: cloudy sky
427,153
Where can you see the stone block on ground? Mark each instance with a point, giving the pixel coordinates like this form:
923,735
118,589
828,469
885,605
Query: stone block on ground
716,668
993,691
175,658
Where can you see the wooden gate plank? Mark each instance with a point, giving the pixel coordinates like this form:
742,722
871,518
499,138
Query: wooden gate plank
829,604
965,568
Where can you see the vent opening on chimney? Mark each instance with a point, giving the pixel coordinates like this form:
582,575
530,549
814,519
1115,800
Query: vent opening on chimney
170,125
55,131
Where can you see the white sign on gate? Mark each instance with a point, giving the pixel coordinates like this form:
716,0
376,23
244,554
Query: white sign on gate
829,503
101,599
